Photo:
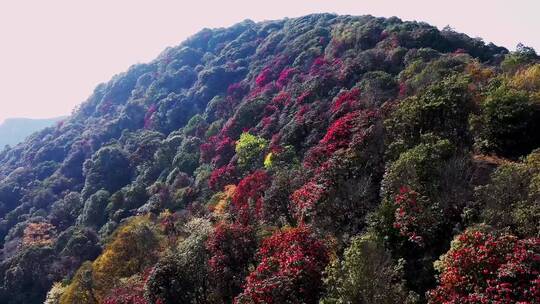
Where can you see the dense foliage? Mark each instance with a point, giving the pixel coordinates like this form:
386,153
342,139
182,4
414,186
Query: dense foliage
321,159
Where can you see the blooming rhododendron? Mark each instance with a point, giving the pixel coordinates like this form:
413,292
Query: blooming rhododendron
483,267
339,132
285,76
290,270
282,99
346,101
149,116
409,208
218,150
231,248
248,198
304,198
222,176
264,77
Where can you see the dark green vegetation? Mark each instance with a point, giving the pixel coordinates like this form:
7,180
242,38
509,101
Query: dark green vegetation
323,159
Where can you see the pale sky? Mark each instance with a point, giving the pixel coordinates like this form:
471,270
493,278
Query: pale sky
54,52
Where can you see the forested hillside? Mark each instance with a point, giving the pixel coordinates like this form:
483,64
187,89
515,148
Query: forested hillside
322,159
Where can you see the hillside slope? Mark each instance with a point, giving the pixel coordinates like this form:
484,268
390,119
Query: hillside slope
15,130
321,159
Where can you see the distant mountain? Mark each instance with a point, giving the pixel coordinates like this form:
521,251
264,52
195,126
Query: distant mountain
15,130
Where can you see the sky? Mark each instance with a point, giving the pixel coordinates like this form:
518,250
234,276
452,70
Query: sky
53,53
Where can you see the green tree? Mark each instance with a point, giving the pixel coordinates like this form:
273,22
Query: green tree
366,274
81,288
442,109
250,149
108,169
181,276
93,213
511,199
508,122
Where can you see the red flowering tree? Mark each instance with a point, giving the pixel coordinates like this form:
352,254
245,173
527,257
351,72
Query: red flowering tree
285,75
346,166
290,270
413,217
346,101
231,248
342,133
304,198
130,291
248,198
148,117
218,150
282,99
264,77
223,176
483,267
127,295
338,134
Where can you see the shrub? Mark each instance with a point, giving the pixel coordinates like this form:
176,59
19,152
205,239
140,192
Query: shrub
264,77
346,101
412,217
527,79
290,269
511,199
132,249
442,109
38,234
28,275
248,197
55,293
366,274
354,129
181,276
250,149
223,176
65,211
276,208
218,150
424,192
507,123
108,169
231,249
486,267
521,57
80,290
93,213
130,291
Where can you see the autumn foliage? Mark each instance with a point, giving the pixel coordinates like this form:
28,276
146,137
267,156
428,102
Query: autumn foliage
39,234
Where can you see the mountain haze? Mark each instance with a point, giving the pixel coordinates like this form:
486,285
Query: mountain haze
320,159
15,130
